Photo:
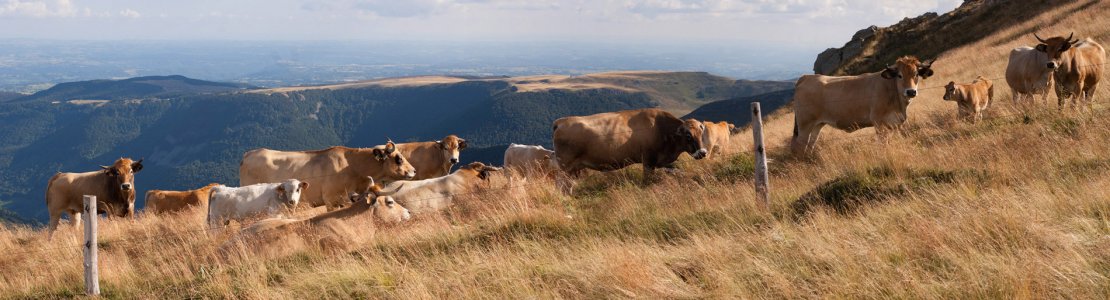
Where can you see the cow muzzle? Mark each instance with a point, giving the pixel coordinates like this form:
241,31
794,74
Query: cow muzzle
910,93
700,153
454,160
1052,65
125,186
410,175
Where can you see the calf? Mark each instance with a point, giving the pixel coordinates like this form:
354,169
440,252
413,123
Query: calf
717,137
161,202
263,199
971,98
529,160
438,193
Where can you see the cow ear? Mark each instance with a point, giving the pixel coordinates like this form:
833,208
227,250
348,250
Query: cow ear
889,73
353,197
462,144
379,154
371,200
1042,48
440,144
390,147
925,72
304,185
137,166
281,189
1065,47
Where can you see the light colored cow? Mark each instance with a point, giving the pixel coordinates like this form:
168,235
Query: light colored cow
433,159
338,170
258,200
718,138
1029,73
529,160
971,98
113,186
438,193
850,103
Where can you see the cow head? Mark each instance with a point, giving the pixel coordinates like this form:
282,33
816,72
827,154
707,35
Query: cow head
908,72
691,137
393,162
289,192
1055,47
451,145
388,210
950,91
121,177
482,170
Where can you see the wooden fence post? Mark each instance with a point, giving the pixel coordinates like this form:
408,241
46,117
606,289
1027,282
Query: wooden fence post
92,282
762,184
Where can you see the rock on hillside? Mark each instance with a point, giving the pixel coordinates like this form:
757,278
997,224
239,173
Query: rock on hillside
874,47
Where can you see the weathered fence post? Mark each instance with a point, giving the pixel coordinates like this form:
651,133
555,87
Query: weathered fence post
92,282
762,185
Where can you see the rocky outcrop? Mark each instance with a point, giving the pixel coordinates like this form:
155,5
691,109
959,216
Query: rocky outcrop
832,58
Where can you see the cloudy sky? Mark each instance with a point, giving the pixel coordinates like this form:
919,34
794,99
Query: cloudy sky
805,23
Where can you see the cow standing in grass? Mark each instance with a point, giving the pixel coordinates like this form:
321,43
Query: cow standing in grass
1077,67
433,159
971,98
113,186
850,103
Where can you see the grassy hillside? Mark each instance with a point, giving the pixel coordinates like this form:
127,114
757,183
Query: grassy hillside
1010,207
738,111
189,141
132,88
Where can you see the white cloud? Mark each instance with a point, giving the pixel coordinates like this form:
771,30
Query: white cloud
38,9
129,13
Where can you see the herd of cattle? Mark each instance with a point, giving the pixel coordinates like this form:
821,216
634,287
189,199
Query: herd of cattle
417,176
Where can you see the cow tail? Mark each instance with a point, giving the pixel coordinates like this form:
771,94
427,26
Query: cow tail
208,216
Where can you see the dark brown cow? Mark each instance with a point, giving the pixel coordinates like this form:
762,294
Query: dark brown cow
433,159
1077,64
113,186
611,141
160,202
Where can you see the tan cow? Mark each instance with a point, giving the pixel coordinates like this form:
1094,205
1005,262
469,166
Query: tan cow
529,160
433,159
1077,64
1029,72
850,103
161,202
611,141
113,186
335,171
971,98
438,193
718,136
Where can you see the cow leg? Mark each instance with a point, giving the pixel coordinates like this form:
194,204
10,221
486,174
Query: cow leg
811,139
53,225
75,217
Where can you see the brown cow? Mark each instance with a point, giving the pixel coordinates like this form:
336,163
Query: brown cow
337,170
433,159
971,98
850,103
614,140
113,186
161,202
1077,64
718,137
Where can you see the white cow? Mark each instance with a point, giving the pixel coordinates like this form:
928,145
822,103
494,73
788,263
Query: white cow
530,160
263,199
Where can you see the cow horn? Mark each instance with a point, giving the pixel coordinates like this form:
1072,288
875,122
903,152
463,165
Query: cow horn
1070,36
105,167
369,185
1039,38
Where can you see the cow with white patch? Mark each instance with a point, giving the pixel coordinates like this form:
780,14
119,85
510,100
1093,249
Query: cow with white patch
227,204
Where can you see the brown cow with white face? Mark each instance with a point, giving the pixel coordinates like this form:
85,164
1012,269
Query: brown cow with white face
433,159
1077,66
971,98
113,186
612,141
850,103
335,172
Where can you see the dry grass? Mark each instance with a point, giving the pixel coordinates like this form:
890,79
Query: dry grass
1007,208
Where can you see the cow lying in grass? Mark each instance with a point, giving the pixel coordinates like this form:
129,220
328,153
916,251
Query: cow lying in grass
161,202
438,193
257,200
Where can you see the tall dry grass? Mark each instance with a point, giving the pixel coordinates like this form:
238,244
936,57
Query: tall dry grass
1007,208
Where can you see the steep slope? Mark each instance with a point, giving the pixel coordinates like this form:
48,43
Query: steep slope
930,34
132,88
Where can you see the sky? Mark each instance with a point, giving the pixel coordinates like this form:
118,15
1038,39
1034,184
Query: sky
802,23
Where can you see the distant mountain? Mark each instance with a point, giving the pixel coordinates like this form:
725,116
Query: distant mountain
8,96
191,140
132,88
738,111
